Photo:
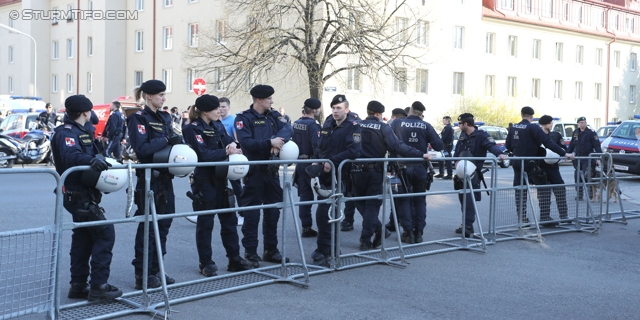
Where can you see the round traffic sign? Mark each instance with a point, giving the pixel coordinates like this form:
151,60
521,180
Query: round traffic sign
199,86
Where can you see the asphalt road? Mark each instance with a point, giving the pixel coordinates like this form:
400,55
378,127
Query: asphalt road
571,276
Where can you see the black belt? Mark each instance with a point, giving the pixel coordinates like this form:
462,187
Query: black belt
364,165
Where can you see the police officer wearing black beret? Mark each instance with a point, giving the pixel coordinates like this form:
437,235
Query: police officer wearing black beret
523,140
305,135
340,139
414,132
261,131
72,146
208,137
472,143
552,170
150,131
377,139
584,141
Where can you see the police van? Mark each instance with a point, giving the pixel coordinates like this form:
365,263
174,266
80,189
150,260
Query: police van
624,144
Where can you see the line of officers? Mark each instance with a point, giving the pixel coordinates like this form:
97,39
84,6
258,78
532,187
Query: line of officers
261,133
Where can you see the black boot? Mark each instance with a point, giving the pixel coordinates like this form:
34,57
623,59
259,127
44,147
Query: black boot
417,236
407,237
103,291
238,264
152,282
208,269
78,291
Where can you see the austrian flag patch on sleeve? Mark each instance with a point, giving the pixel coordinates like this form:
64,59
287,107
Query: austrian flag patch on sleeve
239,125
141,129
199,138
70,142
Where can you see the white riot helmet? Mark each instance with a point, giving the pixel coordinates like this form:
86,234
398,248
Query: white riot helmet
465,168
551,154
233,172
314,172
289,151
179,153
110,180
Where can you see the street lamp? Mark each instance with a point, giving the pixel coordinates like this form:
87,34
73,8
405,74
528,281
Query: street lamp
35,53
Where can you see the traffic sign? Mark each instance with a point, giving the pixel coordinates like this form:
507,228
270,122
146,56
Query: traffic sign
199,86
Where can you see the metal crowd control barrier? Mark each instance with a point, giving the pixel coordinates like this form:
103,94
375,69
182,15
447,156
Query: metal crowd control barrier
610,187
27,264
149,300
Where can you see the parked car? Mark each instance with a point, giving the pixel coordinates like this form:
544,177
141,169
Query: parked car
498,134
566,129
623,141
17,125
605,131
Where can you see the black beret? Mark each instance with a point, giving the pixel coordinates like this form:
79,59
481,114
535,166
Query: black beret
78,103
465,116
527,110
546,119
262,91
375,106
312,103
582,119
397,111
153,87
418,106
207,102
339,98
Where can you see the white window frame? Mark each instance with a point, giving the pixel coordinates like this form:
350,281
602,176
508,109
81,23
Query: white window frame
168,3
629,24
458,37
69,11
69,83
512,83
507,4
633,61
536,49
632,94
512,46
458,83
138,78
578,95
221,31
139,41
422,33
578,13
490,43
616,93
90,46
89,82
192,35
70,48
580,54
354,79
559,52
547,8
599,57
616,59
489,85
10,85
535,88
191,75
422,81
400,80
219,79
167,38
598,92
139,5
402,33
54,83
557,90
527,6
11,54
12,23
55,50
167,78
54,17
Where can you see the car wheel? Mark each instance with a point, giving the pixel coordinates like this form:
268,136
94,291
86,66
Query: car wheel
504,163
4,152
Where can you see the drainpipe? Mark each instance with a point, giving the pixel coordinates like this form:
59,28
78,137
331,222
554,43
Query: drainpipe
608,64
153,46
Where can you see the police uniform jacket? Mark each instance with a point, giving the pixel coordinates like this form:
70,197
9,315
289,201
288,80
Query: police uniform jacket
46,118
209,140
115,125
255,130
525,138
305,134
339,142
147,132
584,142
72,145
378,138
417,133
447,137
478,143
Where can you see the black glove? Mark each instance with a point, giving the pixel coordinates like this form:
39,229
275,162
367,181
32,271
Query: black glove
99,164
174,139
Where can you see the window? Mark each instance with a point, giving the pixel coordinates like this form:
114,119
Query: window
89,82
513,46
490,43
193,35
535,88
559,53
401,29
54,83
458,37
528,6
137,78
579,54
489,82
423,32
565,11
599,57
511,87
557,92
578,91
616,93
616,22
90,46
221,31
139,45
353,79
633,62
598,92
422,80
536,49
54,50
54,15
139,5
220,79
90,16
632,94
458,83
11,23
166,78
598,17
507,4
400,80
69,83
69,48
547,8
191,75
616,59
167,38
69,13
168,3
10,84
10,54
577,13
629,24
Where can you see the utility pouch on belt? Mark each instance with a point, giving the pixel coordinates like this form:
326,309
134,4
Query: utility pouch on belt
199,203
92,213
231,198
458,184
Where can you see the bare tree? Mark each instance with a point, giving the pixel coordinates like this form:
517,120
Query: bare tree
313,38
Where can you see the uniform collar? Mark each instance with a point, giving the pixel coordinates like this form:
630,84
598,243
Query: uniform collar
75,124
372,118
155,114
412,117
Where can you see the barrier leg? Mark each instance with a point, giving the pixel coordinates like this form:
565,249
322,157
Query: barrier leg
156,231
395,221
289,204
482,238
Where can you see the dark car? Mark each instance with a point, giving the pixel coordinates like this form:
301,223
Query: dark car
623,144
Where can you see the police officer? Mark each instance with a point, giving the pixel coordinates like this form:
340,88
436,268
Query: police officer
472,143
72,145
114,132
208,137
261,132
552,170
150,131
377,139
524,140
583,142
47,119
447,138
416,133
305,135
339,140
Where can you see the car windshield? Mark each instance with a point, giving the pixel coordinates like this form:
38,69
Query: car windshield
626,130
12,122
496,133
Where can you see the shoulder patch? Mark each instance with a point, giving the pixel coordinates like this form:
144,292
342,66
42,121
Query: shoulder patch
356,137
68,126
490,139
239,125
70,142
142,129
199,138
139,112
